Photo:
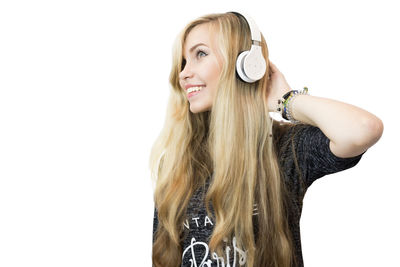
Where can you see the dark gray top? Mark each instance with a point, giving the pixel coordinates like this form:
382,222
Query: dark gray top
315,160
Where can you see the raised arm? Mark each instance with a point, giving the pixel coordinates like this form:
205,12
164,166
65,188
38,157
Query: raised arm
350,129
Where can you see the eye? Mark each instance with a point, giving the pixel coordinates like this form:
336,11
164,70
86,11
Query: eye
201,52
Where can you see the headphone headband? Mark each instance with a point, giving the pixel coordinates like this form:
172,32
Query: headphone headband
255,32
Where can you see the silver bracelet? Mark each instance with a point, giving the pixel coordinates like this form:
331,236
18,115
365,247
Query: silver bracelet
286,104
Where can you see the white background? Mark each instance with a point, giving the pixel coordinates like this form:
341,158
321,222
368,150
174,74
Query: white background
83,93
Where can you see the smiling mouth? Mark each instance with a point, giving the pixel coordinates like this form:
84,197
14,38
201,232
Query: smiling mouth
192,91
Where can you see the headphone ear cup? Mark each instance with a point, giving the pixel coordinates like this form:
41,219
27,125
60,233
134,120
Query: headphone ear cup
240,66
254,65
251,65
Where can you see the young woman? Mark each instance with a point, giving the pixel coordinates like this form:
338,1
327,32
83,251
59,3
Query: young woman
230,180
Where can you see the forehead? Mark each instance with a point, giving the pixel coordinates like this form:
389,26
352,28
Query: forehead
202,33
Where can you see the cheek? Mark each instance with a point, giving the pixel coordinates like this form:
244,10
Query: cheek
214,72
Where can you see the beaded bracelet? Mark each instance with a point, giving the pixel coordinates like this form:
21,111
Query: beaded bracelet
285,104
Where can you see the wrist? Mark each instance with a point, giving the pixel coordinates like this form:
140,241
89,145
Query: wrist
294,104
285,104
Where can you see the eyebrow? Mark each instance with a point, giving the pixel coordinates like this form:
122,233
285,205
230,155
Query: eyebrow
194,47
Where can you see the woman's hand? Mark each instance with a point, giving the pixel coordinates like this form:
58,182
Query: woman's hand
278,86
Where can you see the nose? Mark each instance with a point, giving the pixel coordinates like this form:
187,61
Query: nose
186,72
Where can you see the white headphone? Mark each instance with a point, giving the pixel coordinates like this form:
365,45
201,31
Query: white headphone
250,64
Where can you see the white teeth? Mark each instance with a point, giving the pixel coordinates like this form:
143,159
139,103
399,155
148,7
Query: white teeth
194,89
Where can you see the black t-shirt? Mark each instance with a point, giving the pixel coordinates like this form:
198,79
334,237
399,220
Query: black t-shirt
315,160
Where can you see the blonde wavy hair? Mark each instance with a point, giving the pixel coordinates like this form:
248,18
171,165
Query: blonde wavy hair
233,143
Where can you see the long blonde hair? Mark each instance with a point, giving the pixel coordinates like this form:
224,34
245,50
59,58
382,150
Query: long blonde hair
233,143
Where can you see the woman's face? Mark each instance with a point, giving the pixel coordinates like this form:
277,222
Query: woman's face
201,68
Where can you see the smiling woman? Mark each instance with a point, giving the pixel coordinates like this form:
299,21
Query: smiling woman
201,68
230,180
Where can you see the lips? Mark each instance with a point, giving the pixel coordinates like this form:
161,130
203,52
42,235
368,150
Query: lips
193,85
194,90
192,94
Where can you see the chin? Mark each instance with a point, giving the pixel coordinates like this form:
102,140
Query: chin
199,109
